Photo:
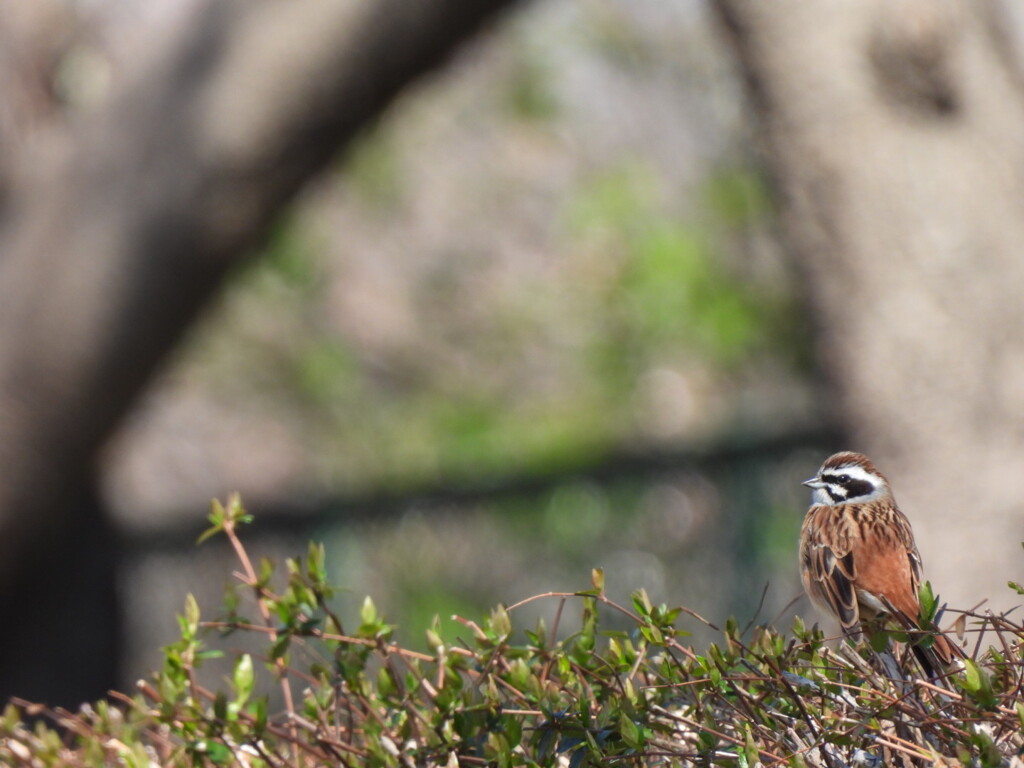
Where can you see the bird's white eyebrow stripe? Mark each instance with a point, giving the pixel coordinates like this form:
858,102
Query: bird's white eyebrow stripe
857,473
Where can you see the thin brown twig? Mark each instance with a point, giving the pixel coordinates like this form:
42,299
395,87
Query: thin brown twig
251,580
716,733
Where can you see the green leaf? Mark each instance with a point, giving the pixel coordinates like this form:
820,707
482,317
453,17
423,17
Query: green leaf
972,676
434,641
191,614
750,746
879,640
243,679
315,564
217,753
929,604
707,741
641,602
259,710
385,682
280,647
545,748
977,683
235,511
513,728
220,706
501,623
368,613
266,571
631,733
652,634
216,518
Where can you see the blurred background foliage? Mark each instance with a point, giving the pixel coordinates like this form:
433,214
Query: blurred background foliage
558,252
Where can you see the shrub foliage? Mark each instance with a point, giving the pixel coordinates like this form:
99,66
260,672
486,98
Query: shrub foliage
346,694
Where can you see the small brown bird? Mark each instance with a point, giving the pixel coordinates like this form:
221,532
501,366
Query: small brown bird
858,559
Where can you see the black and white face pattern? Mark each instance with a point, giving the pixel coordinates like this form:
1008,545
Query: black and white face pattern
845,483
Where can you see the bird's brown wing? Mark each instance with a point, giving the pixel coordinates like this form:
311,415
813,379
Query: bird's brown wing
827,565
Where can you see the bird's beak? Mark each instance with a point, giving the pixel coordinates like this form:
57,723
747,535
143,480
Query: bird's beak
814,483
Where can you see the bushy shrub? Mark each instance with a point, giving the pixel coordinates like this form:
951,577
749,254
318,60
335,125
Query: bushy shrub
534,697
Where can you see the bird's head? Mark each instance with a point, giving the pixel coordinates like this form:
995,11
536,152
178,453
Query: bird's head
848,477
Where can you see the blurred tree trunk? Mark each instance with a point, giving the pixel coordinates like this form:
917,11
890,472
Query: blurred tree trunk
895,135
117,228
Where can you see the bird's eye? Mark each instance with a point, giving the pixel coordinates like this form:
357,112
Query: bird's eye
844,479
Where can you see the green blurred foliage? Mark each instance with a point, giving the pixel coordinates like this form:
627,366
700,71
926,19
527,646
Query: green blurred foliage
738,196
290,256
527,89
373,171
674,293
